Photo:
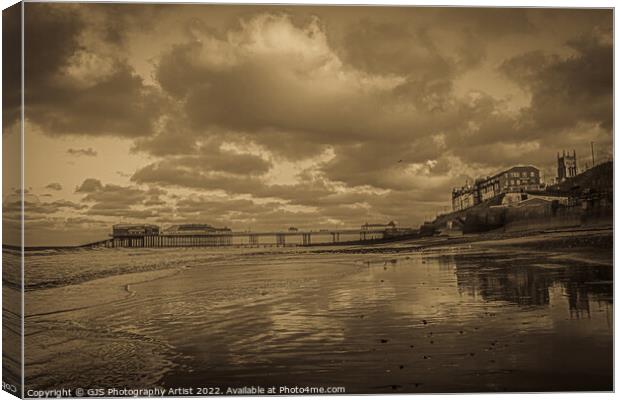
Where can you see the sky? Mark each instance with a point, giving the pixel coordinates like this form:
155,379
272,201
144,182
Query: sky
266,117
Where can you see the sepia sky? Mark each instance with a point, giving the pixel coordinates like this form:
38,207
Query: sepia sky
276,116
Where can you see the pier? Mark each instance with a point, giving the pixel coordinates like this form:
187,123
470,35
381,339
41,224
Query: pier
244,239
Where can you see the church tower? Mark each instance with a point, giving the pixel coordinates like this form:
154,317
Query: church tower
567,165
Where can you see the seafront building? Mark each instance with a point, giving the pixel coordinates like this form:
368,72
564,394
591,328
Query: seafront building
195,229
464,197
134,230
389,226
515,179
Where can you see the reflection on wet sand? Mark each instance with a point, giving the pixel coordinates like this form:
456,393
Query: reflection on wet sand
524,282
466,321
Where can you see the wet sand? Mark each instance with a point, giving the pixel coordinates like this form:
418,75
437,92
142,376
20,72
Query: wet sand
454,318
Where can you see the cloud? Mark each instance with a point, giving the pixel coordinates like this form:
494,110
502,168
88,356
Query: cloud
89,152
579,86
173,174
216,160
11,71
109,200
118,195
372,104
89,185
276,83
54,186
389,47
77,84
398,168
45,208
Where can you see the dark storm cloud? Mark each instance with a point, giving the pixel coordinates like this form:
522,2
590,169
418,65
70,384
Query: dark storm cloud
176,138
82,152
119,105
169,174
115,195
207,166
217,160
133,203
123,20
54,186
76,88
569,90
423,42
359,165
89,185
53,34
497,21
38,207
110,200
396,94
257,97
287,92
395,48
11,68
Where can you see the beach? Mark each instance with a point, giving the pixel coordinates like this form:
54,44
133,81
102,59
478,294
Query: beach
472,314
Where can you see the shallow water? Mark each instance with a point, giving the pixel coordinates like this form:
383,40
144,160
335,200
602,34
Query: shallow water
459,321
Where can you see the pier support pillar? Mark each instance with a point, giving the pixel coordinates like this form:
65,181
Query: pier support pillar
335,237
253,240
